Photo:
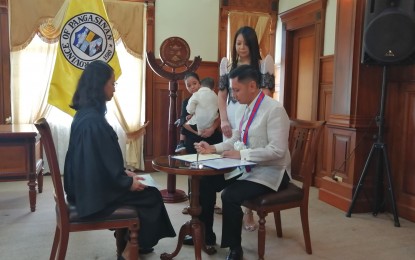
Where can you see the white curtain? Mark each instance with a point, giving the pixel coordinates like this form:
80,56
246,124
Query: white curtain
128,106
31,73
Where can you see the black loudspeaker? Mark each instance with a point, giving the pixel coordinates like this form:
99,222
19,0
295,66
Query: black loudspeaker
389,32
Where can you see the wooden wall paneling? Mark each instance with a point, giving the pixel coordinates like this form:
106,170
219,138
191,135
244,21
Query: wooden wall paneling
347,152
406,188
326,87
5,95
408,139
400,132
150,26
344,162
285,72
326,71
223,32
294,74
344,97
396,140
353,81
149,137
352,145
326,191
396,137
262,6
160,110
304,15
324,111
344,48
341,148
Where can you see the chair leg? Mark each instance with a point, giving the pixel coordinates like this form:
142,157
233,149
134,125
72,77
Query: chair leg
134,242
55,244
277,218
63,244
261,236
120,235
306,228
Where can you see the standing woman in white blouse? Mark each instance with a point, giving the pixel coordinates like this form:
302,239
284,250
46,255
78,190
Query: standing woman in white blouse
245,51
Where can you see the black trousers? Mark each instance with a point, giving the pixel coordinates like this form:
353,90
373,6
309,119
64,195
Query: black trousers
234,193
192,138
154,220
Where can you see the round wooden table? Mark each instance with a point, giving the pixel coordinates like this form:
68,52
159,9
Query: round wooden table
193,227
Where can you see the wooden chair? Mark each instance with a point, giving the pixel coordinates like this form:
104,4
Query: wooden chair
67,219
304,137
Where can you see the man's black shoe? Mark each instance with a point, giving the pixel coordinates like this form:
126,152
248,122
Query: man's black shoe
209,241
188,240
235,254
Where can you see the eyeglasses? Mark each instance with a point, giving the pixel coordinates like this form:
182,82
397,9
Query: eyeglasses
115,84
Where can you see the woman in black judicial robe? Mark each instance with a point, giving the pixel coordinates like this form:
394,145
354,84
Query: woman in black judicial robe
94,176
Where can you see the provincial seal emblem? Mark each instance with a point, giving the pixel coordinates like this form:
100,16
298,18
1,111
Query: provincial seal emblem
87,37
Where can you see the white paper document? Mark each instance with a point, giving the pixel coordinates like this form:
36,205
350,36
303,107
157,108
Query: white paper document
214,161
148,180
193,157
223,163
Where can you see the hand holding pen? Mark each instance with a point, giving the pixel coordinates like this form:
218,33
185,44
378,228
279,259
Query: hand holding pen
204,148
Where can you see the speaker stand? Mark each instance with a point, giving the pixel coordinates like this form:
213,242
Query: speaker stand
379,147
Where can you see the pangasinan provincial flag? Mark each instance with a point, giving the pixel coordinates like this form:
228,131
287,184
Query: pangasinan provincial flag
85,36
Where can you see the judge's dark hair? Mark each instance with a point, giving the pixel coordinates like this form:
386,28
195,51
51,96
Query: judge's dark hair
245,73
90,89
191,74
251,39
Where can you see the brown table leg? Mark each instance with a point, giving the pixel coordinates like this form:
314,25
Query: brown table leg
192,227
171,194
32,191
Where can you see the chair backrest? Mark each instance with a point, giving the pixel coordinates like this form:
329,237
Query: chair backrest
47,141
303,142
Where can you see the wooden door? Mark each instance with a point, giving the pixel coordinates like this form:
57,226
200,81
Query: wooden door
303,92
302,42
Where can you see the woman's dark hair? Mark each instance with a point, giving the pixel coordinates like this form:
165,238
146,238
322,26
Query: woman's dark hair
251,40
90,89
191,74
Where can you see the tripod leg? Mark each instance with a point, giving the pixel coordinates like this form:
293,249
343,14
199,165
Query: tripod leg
360,183
390,188
378,190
